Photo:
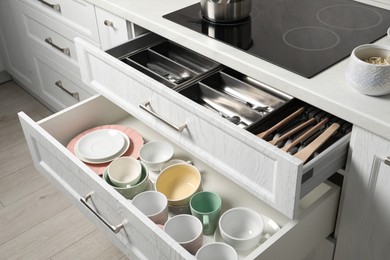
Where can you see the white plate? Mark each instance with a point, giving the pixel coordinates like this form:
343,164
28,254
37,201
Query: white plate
102,146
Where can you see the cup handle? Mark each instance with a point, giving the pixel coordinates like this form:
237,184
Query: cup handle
206,221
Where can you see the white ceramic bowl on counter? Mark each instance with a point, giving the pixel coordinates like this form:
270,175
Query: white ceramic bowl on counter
369,79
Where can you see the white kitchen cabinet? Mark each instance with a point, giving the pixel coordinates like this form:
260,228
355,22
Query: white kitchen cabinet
324,251
364,229
13,46
140,238
113,30
269,173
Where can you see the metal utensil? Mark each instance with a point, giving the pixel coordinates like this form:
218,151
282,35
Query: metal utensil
306,152
234,119
225,10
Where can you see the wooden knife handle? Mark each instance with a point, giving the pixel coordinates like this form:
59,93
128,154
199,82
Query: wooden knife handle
293,131
306,152
281,123
306,135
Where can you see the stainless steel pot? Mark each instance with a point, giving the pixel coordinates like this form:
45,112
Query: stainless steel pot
222,11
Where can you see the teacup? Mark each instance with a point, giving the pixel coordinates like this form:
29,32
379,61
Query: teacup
241,228
124,171
206,206
216,251
155,154
153,204
186,230
178,183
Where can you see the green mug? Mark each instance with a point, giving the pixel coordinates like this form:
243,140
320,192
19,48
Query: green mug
206,206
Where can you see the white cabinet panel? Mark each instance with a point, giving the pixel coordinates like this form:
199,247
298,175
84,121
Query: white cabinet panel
364,230
140,237
113,30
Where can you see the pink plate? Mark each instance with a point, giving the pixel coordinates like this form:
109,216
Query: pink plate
136,142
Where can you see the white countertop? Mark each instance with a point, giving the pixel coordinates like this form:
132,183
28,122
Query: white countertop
328,90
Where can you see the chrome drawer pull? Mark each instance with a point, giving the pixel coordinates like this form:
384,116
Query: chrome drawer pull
56,7
109,24
113,228
66,51
73,94
145,105
387,160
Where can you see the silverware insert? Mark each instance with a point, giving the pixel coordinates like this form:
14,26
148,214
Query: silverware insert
163,67
246,90
230,109
185,57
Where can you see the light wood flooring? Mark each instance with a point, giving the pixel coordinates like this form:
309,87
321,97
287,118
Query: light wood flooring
36,220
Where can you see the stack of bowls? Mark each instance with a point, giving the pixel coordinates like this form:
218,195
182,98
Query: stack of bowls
128,176
178,183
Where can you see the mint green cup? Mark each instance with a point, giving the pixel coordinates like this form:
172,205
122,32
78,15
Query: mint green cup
206,206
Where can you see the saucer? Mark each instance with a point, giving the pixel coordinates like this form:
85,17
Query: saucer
136,142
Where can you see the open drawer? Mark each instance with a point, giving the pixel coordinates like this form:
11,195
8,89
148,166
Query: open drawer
140,238
269,173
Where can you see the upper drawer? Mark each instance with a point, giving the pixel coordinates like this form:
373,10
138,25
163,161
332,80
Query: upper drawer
266,171
76,14
51,37
141,238
113,30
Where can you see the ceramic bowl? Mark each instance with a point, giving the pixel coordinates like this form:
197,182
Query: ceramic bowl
241,228
369,79
178,183
173,162
131,192
124,171
155,154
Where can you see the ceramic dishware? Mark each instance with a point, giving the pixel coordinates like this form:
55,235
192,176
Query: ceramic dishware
179,182
153,204
206,206
186,230
173,162
154,154
130,192
216,251
124,171
241,228
367,78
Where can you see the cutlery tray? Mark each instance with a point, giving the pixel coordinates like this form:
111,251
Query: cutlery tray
164,61
235,97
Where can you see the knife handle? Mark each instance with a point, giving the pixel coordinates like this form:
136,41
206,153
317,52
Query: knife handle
281,123
306,152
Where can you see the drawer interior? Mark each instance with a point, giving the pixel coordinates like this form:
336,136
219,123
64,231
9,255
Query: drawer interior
99,111
163,60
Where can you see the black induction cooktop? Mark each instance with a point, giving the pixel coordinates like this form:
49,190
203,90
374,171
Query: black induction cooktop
304,36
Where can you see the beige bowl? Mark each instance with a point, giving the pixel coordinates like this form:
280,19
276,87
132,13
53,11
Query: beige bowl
179,182
124,171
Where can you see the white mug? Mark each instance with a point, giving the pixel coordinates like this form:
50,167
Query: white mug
216,251
153,204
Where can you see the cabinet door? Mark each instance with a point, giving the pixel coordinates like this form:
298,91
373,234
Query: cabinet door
12,45
364,231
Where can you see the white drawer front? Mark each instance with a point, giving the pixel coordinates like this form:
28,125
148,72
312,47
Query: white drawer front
269,173
113,30
140,237
76,14
59,88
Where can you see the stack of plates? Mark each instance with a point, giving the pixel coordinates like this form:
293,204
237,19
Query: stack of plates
102,146
99,145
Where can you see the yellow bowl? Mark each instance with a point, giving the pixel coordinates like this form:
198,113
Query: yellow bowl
178,183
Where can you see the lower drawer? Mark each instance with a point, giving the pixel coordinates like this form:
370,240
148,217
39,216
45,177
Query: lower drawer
141,238
58,87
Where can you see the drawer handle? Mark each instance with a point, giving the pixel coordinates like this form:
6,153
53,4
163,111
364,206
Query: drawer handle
66,51
109,23
73,94
387,160
56,7
113,228
145,105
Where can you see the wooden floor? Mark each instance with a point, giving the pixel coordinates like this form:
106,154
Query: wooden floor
36,220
